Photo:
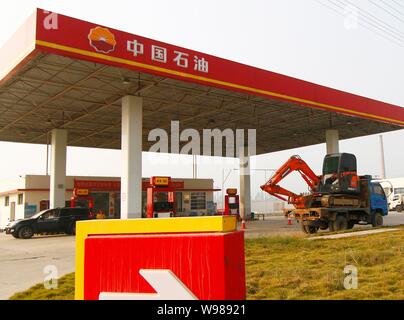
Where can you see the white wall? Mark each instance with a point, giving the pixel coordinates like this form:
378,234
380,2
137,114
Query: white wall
35,197
5,211
7,187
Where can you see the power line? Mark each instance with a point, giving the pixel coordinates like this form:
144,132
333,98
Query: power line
385,10
379,22
398,3
377,30
397,40
391,7
329,7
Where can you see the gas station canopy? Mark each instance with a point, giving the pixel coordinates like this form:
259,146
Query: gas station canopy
60,72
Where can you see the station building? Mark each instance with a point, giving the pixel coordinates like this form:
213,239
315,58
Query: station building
23,196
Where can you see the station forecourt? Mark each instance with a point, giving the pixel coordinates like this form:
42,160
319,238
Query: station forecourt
68,82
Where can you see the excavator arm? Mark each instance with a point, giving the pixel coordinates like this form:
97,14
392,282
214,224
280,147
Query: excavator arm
295,163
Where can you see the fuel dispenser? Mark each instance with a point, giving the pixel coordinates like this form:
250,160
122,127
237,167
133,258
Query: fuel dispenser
82,198
231,203
160,198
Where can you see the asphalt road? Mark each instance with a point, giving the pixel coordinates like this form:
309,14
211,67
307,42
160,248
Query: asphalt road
277,225
22,262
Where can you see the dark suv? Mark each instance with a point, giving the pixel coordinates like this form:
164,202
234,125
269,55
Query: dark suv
49,221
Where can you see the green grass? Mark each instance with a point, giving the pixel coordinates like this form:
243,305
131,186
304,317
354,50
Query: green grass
65,291
295,268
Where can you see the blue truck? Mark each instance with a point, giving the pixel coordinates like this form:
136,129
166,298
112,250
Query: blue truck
370,207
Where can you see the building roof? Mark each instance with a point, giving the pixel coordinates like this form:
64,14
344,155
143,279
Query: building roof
61,72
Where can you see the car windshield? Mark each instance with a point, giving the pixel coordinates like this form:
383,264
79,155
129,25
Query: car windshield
37,215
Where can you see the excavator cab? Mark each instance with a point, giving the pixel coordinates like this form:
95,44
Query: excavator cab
339,174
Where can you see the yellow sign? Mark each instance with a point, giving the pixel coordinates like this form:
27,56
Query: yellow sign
161,181
231,191
142,226
82,192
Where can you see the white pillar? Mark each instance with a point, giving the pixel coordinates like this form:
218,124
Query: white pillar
58,168
131,177
332,141
383,163
245,186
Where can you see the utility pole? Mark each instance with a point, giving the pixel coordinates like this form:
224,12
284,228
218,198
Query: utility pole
224,179
47,154
194,167
382,158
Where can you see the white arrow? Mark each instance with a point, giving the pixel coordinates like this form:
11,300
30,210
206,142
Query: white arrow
164,282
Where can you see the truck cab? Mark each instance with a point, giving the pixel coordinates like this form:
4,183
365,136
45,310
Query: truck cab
378,199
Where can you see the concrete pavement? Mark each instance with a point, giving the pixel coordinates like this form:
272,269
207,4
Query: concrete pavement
277,225
355,234
22,262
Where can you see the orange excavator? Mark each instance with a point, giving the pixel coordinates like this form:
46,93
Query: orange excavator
295,163
337,186
338,199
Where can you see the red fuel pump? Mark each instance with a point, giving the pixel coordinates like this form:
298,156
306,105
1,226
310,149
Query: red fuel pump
231,203
160,198
81,198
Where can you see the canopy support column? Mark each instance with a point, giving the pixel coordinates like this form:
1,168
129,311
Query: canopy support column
332,141
58,168
245,187
131,178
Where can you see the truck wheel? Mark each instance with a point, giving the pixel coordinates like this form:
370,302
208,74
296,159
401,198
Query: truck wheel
26,233
340,223
323,225
377,220
309,229
399,208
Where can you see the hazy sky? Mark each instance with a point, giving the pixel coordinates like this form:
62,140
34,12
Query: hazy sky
304,39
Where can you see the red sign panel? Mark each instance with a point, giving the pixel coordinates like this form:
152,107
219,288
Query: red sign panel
205,266
97,185
94,39
88,41
174,184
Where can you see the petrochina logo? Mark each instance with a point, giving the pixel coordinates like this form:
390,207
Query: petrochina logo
102,40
